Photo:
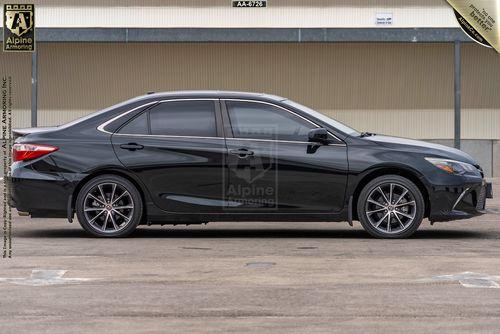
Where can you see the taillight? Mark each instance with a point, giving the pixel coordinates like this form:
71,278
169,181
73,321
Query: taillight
23,152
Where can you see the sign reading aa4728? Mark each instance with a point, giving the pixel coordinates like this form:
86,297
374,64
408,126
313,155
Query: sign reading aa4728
19,27
249,4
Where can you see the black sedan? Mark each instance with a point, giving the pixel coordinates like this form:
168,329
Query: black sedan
200,156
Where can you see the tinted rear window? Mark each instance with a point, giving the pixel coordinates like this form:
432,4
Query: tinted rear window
138,125
184,118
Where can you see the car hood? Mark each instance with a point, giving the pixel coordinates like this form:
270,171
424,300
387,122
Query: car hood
423,147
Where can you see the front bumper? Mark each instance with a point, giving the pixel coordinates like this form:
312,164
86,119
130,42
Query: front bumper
459,202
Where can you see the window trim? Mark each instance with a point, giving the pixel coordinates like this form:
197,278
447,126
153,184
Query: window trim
103,125
226,110
150,104
221,110
164,136
135,117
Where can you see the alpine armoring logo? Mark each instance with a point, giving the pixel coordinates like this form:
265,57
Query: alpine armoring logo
19,27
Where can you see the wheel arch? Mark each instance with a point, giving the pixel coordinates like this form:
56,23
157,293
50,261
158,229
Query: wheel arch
403,171
112,171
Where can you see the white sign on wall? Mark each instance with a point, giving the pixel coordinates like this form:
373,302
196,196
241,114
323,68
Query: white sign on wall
383,19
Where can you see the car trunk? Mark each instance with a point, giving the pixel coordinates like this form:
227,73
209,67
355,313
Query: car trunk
26,131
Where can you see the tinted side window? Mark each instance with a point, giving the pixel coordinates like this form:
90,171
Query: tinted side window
263,121
184,118
138,125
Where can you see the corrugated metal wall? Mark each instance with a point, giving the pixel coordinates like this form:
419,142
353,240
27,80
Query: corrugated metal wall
219,13
399,89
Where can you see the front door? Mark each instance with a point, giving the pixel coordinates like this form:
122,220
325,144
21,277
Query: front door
273,168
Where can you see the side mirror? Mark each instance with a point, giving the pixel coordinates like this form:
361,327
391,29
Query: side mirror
319,135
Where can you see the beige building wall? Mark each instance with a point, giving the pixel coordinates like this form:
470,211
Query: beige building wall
219,13
397,89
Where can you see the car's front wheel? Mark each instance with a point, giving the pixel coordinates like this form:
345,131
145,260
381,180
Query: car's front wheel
390,206
109,206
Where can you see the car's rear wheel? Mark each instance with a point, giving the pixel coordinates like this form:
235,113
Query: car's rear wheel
390,206
109,206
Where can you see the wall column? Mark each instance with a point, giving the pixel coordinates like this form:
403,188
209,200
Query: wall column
34,88
458,78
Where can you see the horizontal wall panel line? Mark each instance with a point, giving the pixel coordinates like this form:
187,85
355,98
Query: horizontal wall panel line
220,14
124,35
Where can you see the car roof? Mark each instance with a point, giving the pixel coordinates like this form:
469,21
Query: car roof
185,94
210,94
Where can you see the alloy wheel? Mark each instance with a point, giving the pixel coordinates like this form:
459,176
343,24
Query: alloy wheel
108,207
390,208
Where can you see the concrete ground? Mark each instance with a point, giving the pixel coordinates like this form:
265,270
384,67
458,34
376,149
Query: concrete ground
253,277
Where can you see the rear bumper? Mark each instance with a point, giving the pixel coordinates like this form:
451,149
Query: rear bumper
40,195
459,202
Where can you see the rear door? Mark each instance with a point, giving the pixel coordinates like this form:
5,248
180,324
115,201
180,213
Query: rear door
177,150
273,167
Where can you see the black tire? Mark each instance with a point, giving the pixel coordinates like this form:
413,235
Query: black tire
128,205
373,205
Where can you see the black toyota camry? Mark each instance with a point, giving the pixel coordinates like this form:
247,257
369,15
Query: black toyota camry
203,156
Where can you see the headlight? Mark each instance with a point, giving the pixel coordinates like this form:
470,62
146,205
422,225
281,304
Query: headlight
454,167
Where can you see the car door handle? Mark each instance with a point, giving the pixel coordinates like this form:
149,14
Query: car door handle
131,146
241,153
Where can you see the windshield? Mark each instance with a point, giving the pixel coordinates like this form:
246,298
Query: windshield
336,124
